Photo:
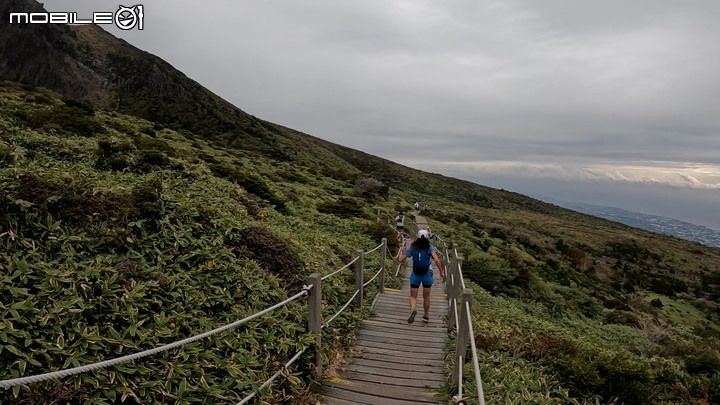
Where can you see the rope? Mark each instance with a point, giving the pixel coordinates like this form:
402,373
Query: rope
478,379
373,278
370,251
340,269
462,279
398,269
123,359
292,360
342,309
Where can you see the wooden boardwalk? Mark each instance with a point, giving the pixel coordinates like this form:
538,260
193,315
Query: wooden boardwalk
394,362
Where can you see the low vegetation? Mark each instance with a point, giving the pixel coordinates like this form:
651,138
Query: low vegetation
119,234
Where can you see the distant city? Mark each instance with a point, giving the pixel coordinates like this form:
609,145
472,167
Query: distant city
654,223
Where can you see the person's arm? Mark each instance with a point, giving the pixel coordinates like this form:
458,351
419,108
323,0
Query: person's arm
437,263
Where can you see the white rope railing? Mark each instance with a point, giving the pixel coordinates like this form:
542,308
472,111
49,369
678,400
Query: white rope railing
398,269
341,309
370,251
476,365
340,269
285,367
374,277
113,362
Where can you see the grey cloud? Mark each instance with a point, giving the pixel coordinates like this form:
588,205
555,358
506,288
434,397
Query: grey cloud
549,81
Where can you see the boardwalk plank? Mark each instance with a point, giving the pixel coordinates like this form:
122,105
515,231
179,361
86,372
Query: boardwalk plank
420,375
352,397
417,337
394,362
402,348
383,392
404,328
401,383
432,368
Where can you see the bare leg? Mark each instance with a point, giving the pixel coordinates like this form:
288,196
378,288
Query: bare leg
413,298
426,300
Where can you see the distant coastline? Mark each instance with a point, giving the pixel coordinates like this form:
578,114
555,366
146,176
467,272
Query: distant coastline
654,223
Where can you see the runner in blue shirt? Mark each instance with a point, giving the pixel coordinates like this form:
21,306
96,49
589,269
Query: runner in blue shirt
422,252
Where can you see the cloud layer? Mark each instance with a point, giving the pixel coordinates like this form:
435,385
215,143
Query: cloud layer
613,91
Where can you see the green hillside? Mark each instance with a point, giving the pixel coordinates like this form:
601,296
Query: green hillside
119,234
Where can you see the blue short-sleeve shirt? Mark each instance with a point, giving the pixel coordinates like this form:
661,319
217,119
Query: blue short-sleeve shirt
411,250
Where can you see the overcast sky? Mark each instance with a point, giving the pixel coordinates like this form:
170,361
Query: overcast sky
611,102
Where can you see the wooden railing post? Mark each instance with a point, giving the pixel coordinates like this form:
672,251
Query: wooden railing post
359,279
463,336
452,292
443,260
315,318
383,254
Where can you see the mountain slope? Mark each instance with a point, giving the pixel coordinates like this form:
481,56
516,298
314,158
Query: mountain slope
120,233
85,62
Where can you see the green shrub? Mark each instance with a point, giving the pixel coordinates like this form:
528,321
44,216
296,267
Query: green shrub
368,187
498,233
623,318
703,360
6,156
273,254
490,272
113,154
149,131
249,182
344,207
618,377
73,118
145,143
148,160
379,230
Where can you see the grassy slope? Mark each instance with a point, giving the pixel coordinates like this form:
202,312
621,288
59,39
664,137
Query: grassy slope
100,262
147,225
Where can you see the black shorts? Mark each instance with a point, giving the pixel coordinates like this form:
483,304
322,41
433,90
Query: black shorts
400,228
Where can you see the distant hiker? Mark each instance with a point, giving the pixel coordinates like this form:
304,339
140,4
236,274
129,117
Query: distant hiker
417,206
431,235
400,222
422,253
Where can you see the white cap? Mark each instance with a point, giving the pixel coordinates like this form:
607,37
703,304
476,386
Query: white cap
423,233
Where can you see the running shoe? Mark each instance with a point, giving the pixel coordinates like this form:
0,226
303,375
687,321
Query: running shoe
412,316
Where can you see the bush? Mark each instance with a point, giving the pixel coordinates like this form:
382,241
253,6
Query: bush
379,230
345,207
6,156
617,377
74,118
251,183
703,360
623,318
272,254
369,187
77,205
490,272
112,154
145,143
148,160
